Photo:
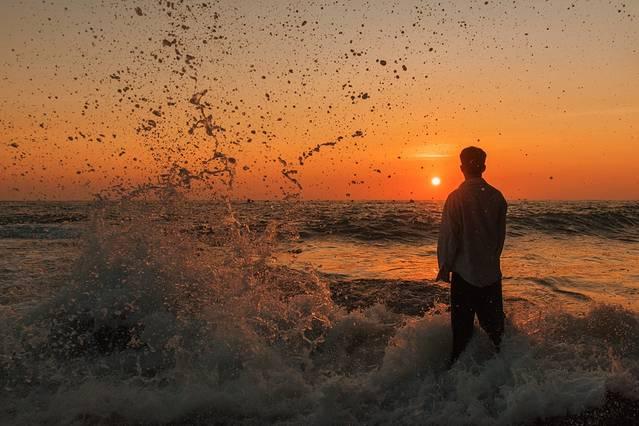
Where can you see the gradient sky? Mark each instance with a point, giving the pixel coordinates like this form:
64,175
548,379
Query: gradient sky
548,89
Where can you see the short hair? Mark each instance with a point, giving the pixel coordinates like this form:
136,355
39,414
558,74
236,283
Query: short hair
473,160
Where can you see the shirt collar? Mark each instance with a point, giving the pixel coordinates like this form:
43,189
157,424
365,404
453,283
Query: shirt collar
473,181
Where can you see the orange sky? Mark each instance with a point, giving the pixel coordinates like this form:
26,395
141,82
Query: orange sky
548,90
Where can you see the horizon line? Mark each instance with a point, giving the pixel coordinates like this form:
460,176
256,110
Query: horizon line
249,199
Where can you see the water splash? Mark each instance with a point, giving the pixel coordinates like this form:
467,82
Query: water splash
207,329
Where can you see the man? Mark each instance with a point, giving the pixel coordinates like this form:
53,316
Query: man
471,239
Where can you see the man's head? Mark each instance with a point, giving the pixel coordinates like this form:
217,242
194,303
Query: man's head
473,161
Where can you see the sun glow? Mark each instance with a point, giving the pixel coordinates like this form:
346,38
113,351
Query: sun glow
435,181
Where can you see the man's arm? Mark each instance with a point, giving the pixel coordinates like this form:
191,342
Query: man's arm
448,241
502,225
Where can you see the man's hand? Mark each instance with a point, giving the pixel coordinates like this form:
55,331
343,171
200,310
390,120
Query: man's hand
443,275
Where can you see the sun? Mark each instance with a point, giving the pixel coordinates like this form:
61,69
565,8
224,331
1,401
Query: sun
435,181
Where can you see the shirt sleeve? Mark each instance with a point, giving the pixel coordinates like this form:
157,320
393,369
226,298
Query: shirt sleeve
502,225
449,235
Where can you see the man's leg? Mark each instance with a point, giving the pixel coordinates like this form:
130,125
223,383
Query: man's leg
490,312
462,315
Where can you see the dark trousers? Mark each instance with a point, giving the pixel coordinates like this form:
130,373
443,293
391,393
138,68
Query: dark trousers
466,300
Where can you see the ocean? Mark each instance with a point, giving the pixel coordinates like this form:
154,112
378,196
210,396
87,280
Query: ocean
308,312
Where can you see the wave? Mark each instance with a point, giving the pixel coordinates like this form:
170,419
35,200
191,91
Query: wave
359,221
418,222
40,232
606,219
13,213
158,327
554,284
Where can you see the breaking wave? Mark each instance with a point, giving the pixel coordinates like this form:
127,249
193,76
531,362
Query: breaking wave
361,221
158,326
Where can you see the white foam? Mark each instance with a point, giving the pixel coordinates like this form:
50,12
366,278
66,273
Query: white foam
224,336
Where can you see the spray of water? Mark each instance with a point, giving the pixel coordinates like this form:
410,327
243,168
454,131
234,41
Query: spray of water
156,324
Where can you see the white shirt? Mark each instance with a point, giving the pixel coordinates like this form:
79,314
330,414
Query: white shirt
472,233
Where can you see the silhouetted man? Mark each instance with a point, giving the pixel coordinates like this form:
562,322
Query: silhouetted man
471,239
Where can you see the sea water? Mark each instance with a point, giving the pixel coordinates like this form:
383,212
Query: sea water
305,312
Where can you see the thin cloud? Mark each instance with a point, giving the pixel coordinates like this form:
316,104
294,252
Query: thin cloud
431,155
436,151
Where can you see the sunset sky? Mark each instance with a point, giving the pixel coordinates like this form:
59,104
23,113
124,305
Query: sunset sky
100,93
